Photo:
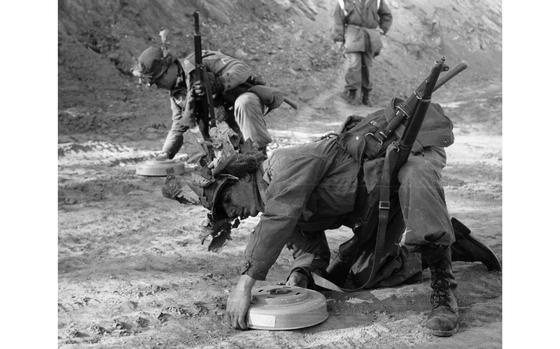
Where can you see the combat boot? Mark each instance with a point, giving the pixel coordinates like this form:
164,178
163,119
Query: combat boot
349,97
443,320
365,98
467,248
300,277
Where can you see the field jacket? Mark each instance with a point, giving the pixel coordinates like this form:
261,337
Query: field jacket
311,183
316,186
228,81
358,24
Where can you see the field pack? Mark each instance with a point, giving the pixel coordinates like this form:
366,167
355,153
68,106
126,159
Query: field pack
357,132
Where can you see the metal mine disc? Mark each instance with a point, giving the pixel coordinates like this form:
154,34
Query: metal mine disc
160,168
286,308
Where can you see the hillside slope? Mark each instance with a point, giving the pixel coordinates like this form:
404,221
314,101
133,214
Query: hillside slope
286,41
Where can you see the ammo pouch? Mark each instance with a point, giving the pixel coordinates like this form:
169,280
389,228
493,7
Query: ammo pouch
356,135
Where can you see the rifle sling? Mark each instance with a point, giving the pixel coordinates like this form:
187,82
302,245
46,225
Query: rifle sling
383,211
384,206
209,99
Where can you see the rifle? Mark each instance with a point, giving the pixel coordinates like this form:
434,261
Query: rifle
377,214
405,110
204,104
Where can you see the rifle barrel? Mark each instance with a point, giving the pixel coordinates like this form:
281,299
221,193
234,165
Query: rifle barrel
196,23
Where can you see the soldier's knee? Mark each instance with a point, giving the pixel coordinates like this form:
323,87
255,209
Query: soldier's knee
248,101
418,169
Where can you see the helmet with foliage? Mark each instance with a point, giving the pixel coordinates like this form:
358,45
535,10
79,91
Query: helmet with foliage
152,64
209,184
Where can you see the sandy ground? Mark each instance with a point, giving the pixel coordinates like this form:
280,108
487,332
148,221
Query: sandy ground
133,274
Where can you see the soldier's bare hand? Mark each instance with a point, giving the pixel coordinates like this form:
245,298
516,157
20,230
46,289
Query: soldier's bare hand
162,156
297,279
339,45
238,303
197,87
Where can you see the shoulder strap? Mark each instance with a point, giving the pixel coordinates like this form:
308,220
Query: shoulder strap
341,4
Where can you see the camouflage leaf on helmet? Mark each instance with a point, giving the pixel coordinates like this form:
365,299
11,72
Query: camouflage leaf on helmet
239,164
220,231
200,180
220,240
172,188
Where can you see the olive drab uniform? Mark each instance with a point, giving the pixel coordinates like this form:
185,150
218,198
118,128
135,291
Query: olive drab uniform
357,25
233,88
314,187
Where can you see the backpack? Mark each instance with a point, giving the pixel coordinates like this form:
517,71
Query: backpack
358,134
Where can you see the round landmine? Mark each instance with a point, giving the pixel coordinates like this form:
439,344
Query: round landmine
286,308
160,168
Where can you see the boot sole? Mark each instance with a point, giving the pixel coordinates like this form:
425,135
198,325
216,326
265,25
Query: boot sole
439,333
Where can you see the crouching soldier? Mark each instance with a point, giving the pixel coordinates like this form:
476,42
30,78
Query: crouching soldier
244,98
304,190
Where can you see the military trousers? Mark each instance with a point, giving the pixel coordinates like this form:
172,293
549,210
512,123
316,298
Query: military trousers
249,114
424,211
358,71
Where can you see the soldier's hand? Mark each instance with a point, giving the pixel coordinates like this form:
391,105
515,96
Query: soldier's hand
197,88
239,301
161,156
339,45
297,279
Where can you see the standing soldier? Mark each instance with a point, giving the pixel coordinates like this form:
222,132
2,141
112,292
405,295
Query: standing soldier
358,25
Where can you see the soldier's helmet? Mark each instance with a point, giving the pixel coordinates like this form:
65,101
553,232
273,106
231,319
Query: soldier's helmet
208,192
227,171
151,65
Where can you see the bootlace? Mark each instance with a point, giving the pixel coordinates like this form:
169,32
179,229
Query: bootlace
441,292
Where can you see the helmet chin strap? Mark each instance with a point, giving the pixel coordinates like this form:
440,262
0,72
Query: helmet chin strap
180,81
